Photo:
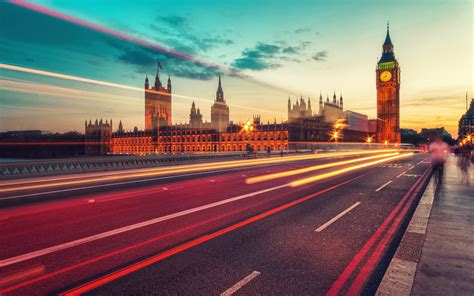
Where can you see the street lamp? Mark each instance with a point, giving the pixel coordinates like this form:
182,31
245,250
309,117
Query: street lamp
248,129
335,135
339,124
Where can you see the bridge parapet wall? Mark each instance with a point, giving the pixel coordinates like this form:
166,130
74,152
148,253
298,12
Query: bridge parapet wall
37,168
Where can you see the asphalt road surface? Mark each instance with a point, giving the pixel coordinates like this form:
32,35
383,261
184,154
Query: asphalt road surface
324,225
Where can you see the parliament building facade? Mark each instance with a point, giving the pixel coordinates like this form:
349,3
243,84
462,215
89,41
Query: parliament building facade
222,135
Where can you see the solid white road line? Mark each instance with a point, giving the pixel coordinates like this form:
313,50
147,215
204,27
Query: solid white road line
322,227
401,174
31,255
240,284
381,187
410,168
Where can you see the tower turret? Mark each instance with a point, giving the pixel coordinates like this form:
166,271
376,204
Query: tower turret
169,84
157,103
341,102
147,82
387,52
219,110
219,92
334,98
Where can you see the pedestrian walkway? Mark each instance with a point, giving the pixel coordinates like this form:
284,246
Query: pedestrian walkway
436,254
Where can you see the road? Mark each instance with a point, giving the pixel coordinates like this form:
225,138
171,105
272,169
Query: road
308,226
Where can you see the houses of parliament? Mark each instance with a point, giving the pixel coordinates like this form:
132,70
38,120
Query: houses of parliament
222,135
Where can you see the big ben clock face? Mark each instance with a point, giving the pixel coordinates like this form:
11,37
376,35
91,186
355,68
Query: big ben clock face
385,76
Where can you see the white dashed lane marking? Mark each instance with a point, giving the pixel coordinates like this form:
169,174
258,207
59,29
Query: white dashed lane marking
401,174
382,187
325,225
240,284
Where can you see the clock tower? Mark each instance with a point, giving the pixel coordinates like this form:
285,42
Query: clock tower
388,94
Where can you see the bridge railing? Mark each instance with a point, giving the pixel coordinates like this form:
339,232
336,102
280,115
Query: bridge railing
31,168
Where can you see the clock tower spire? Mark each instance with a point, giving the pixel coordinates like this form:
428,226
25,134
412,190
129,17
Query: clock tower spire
388,94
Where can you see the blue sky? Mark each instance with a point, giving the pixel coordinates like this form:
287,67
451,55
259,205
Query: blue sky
268,50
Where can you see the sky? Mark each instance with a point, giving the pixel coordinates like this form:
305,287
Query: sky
266,52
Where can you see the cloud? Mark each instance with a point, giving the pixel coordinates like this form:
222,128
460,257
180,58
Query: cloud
173,20
290,50
177,33
137,57
320,56
265,56
261,57
267,49
432,102
254,63
144,60
302,30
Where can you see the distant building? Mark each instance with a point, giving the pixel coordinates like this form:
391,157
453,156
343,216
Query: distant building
195,117
37,144
299,109
466,122
388,94
331,112
98,137
26,133
356,121
308,129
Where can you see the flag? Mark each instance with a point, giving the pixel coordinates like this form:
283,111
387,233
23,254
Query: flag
159,66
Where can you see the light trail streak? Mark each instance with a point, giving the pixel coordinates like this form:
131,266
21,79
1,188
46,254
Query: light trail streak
119,86
268,177
63,92
145,43
169,170
345,170
22,275
47,143
119,35
250,162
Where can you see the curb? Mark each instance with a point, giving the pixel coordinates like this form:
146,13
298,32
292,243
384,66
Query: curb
400,274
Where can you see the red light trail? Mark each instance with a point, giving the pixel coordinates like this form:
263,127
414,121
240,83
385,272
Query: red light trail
122,36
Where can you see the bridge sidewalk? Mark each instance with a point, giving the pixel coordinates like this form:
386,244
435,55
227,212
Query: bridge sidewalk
436,254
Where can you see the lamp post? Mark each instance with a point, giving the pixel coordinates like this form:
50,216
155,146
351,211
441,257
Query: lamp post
248,129
335,135
369,140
